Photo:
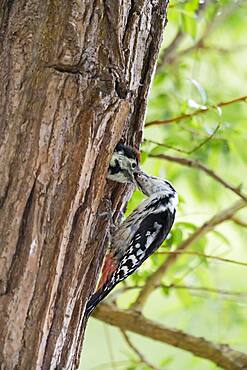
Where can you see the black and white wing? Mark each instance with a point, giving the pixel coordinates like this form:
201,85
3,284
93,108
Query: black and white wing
150,234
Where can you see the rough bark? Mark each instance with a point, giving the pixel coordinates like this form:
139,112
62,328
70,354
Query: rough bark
74,80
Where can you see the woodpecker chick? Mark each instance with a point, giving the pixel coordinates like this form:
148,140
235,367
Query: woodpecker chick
139,236
123,164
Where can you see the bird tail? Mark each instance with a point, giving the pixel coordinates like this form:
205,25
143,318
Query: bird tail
97,297
105,284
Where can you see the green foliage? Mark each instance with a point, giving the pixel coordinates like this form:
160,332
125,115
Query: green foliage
202,64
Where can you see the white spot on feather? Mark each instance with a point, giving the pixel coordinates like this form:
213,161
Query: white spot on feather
124,269
133,258
140,252
152,237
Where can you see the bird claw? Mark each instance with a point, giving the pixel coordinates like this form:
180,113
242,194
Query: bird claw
108,214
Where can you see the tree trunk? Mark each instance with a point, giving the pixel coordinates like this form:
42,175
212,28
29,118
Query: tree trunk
74,80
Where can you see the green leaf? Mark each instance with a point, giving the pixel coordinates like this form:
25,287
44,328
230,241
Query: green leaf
144,157
184,296
165,290
192,5
158,150
200,246
187,225
189,24
177,236
166,361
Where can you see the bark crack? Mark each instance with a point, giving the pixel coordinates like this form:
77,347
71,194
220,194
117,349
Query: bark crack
7,6
66,68
21,235
5,192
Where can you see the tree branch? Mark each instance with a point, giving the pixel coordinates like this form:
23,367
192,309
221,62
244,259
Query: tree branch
193,163
155,278
195,113
220,354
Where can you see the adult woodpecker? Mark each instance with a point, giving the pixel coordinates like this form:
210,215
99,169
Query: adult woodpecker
139,236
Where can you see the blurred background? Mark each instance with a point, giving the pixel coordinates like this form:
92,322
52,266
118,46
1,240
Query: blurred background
195,136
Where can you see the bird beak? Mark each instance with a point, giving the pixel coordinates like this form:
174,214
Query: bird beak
137,172
130,177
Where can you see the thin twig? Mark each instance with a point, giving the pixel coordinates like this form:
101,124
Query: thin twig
221,354
218,49
195,113
205,256
155,278
166,146
200,145
193,163
239,302
239,222
137,352
204,289
197,132
189,287
168,53
205,141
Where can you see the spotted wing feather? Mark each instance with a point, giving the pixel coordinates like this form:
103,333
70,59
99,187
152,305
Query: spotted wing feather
152,231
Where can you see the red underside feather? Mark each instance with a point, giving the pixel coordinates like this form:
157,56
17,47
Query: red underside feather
108,269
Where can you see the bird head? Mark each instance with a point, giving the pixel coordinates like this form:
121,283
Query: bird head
151,184
124,163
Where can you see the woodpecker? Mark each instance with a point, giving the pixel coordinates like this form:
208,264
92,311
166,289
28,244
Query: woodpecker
139,236
124,162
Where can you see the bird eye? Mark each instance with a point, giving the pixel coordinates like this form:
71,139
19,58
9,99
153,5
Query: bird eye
133,165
